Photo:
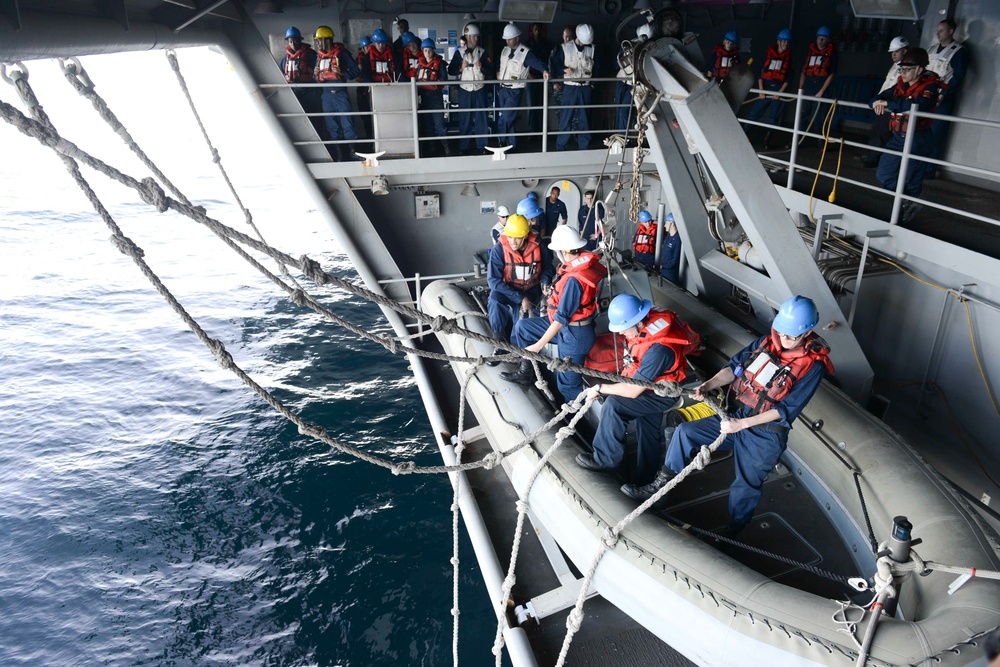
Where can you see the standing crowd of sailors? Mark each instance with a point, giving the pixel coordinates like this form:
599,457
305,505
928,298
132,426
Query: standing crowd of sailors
517,74
930,78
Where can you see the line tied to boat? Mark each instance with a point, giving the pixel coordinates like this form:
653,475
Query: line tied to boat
890,572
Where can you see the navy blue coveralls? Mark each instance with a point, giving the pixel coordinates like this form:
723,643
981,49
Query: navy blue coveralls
552,214
504,304
586,223
337,101
575,94
756,450
923,141
474,120
646,409
509,98
670,257
572,341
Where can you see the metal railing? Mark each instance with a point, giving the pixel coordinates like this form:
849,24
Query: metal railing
414,113
798,134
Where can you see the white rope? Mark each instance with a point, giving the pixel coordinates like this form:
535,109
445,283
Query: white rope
610,538
522,510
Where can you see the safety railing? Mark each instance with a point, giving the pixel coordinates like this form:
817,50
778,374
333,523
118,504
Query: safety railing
419,133
804,128
419,281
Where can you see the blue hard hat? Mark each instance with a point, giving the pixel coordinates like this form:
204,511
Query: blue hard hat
408,38
732,36
427,44
528,208
532,195
785,35
379,37
293,32
644,216
627,311
823,31
365,41
796,316
669,218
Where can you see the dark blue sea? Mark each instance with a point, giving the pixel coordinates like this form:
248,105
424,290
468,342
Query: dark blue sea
154,511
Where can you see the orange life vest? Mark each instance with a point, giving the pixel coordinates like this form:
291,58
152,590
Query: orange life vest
588,270
818,61
328,64
297,65
645,238
522,269
724,60
663,328
776,65
771,371
428,70
382,66
410,63
927,86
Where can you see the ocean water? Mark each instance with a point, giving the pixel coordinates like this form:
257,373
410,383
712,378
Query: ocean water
154,511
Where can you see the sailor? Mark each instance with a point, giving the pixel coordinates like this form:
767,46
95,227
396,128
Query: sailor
658,345
431,67
625,115
590,220
398,46
670,251
502,214
950,61
817,75
379,65
727,56
644,242
539,44
775,76
364,93
575,60
298,66
918,85
516,60
334,65
473,66
529,208
571,308
519,273
410,59
772,379
555,212
879,134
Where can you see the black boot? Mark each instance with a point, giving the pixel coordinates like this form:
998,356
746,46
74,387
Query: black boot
524,375
497,352
644,492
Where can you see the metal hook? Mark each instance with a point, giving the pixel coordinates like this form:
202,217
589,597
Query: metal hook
75,69
16,75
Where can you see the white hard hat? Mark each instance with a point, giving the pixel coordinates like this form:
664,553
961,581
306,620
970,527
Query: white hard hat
471,29
585,33
898,43
510,31
645,31
503,211
565,237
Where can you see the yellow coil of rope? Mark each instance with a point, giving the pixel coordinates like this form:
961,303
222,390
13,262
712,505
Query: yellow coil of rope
696,411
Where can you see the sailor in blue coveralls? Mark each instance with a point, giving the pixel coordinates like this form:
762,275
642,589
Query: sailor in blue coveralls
518,273
670,251
657,345
571,309
334,65
575,60
555,212
473,66
773,378
516,60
